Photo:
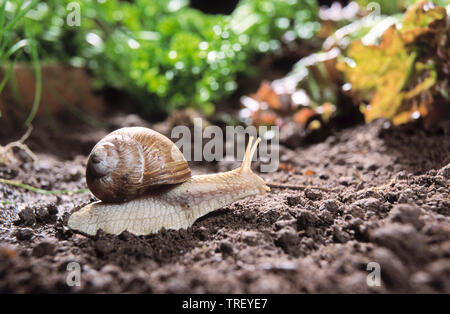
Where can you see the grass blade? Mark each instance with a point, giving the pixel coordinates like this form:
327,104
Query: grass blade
41,191
8,74
38,89
2,16
19,14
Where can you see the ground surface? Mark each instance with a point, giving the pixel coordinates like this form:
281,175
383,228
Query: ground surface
389,204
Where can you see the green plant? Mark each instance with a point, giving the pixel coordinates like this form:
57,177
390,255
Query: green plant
164,53
406,75
11,47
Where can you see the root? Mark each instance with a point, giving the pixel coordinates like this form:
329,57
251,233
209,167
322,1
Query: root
7,156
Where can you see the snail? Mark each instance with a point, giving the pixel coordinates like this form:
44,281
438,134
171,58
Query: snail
144,184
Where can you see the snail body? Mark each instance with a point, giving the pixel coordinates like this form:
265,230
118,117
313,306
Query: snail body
175,201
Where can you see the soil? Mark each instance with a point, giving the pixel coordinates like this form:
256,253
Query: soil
388,203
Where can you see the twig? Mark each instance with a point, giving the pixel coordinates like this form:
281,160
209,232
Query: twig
296,187
41,191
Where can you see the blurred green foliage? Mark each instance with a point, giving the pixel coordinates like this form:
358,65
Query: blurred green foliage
12,45
10,48
164,53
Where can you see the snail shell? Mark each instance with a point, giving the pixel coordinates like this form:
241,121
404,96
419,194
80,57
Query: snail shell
130,161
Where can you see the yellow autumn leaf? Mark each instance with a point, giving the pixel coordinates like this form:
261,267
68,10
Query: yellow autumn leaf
384,105
421,15
380,73
390,76
419,18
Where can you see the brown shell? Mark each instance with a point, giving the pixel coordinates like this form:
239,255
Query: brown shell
129,161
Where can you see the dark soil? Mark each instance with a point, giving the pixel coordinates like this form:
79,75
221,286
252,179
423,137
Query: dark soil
389,204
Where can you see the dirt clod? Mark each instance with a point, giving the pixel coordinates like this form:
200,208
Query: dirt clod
44,248
405,213
329,205
313,195
226,247
401,239
369,204
103,247
307,219
24,234
445,172
27,217
46,213
288,240
294,200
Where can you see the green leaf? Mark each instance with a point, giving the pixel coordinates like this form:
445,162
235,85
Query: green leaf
38,89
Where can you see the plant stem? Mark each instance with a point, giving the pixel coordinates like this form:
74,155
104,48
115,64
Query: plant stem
38,90
41,191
